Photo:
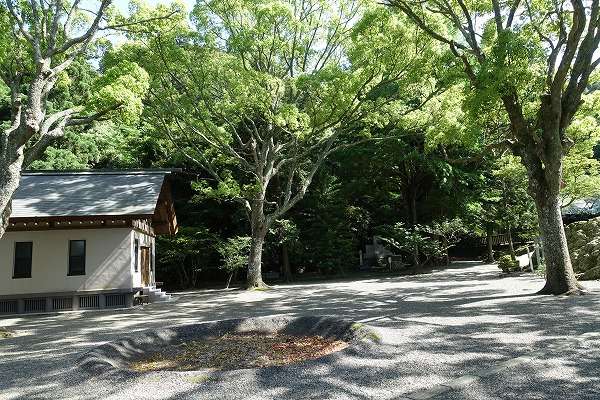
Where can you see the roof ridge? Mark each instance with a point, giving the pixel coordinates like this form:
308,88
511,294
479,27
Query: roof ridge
100,172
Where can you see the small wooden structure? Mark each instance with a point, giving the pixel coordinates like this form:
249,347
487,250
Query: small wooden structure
83,239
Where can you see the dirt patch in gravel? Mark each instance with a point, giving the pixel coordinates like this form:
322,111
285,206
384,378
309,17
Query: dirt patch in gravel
5,333
238,351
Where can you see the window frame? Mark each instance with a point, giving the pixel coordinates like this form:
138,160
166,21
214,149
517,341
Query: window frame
70,271
15,276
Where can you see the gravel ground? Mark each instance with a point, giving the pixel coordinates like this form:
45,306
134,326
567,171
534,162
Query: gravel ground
435,328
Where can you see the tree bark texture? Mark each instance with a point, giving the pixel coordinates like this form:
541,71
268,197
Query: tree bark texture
560,277
259,232
10,175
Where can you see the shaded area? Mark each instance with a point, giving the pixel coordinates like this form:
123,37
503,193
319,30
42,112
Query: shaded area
434,328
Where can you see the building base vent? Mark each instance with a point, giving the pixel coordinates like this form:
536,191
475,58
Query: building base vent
62,303
115,300
89,301
35,305
9,306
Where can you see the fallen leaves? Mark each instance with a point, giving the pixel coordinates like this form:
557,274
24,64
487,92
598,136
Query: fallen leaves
238,351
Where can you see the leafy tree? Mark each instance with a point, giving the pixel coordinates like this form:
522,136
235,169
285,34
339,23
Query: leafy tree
184,255
514,208
262,93
235,252
409,240
285,234
433,241
39,42
104,145
447,234
527,66
581,171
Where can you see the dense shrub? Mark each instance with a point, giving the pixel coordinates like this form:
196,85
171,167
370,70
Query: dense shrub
507,264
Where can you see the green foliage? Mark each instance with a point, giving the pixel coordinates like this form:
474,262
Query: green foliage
507,264
581,171
182,258
235,252
226,189
284,231
247,67
328,239
105,145
125,84
432,241
407,239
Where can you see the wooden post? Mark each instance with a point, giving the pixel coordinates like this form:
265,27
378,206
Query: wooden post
360,255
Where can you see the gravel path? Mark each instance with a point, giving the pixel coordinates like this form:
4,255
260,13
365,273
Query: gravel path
438,330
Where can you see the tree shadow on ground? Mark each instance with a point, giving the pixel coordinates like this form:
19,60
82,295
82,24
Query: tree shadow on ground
434,328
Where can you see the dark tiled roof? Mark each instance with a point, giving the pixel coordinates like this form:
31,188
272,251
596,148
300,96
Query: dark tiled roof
87,193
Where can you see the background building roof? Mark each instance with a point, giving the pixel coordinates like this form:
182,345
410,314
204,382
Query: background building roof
87,193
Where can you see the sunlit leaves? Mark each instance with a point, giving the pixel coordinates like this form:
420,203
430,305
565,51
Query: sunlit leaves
234,252
124,84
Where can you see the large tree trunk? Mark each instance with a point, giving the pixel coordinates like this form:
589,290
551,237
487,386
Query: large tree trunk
259,231
255,262
10,175
560,278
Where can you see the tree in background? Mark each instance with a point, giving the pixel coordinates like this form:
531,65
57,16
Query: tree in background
235,252
185,255
285,236
262,93
514,208
581,172
39,43
533,60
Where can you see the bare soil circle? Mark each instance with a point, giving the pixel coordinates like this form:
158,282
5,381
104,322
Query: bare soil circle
234,344
238,351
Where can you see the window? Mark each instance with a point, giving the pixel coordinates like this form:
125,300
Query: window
23,255
136,255
77,257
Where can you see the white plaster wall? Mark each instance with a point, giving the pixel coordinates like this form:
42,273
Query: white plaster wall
108,261
145,241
